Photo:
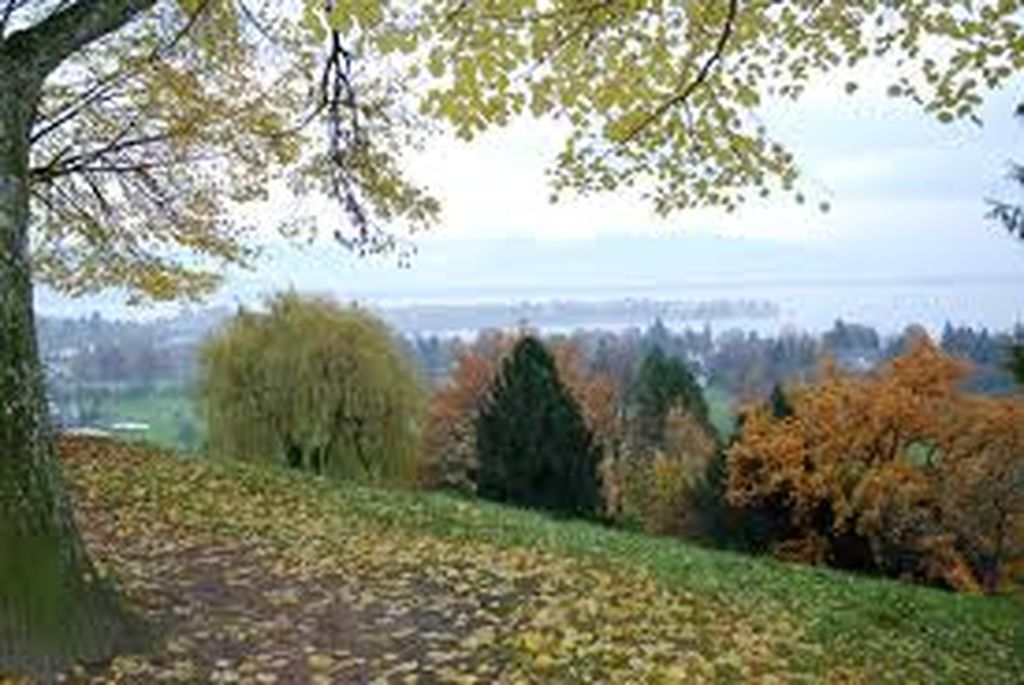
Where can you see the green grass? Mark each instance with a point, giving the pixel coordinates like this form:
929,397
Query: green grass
721,410
166,410
882,630
821,625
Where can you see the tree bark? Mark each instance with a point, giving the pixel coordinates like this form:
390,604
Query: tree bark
53,608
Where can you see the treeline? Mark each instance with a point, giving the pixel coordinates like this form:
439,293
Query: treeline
899,470
638,437
93,349
91,358
748,365
92,361
568,314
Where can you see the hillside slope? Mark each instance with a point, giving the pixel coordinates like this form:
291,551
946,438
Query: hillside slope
256,576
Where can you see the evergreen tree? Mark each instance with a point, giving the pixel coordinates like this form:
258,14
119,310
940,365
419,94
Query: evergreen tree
780,405
533,446
665,383
1015,363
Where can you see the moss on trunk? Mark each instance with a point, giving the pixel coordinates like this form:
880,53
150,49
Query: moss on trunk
53,608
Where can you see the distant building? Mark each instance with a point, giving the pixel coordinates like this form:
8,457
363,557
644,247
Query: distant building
87,432
129,427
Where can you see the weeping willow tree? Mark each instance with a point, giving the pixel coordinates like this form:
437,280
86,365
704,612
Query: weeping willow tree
313,386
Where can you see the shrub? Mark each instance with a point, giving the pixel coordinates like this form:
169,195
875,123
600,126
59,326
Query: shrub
661,490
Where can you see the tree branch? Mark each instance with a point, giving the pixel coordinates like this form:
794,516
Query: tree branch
7,12
48,43
702,76
106,85
63,165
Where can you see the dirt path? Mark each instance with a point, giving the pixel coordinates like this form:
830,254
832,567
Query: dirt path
232,612
255,577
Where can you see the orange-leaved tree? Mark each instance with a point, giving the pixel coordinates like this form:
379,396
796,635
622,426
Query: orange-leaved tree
896,472
448,441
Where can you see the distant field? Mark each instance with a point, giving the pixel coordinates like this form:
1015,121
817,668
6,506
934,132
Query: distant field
721,406
170,410
171,413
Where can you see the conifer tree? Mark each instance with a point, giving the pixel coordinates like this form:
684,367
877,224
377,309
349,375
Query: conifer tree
665,383
779,403
533,446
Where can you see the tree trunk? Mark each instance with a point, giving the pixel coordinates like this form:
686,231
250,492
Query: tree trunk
53,609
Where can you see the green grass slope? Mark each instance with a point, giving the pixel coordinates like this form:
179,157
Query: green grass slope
267,576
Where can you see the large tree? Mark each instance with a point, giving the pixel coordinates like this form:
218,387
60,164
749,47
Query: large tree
313,386
129,130
448,446
533,445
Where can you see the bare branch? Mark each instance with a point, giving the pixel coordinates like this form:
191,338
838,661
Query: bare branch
61,166
345,134
99,91
249,15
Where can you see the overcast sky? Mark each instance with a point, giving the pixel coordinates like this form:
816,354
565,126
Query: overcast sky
907,198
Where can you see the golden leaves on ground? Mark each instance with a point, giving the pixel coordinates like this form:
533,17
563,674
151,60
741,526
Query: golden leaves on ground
262,577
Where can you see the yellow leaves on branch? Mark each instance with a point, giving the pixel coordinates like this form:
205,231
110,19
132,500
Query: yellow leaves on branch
664,95
670,92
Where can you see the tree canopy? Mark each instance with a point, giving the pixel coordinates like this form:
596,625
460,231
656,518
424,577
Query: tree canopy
898,472
314,386
667,95
155,123
156,120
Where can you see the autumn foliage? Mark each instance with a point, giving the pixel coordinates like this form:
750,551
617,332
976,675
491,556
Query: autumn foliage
897,472
659,490
447,456
533,446
448,442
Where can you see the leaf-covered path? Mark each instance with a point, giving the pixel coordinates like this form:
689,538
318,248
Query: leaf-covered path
260,582
263,577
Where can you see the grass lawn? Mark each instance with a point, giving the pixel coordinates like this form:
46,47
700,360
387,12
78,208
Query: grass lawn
721,410
266,576
168,411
